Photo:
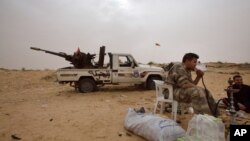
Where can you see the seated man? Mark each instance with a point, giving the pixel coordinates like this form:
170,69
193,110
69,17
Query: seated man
185,89
241,98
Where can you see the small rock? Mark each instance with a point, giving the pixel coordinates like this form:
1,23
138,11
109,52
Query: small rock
44,106
123,96
14,136
120,134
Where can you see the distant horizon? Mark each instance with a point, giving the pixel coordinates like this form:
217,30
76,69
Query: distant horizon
155,63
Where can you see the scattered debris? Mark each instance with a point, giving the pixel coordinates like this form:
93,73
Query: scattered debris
44,106
14,136
233,73
123,96
128,134
101,137
120,133
107,100
245,123
141,110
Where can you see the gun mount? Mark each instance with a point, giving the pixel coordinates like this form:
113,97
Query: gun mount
79,59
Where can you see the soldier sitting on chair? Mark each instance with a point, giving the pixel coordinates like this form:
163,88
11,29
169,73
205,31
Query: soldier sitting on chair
185,89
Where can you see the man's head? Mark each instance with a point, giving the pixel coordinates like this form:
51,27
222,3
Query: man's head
190,60
238,80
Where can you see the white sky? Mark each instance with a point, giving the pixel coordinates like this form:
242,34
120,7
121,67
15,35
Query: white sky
217,30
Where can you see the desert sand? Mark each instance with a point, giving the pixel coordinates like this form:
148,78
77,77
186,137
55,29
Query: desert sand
33,107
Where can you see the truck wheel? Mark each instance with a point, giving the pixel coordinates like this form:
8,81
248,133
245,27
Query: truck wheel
87,85
151,83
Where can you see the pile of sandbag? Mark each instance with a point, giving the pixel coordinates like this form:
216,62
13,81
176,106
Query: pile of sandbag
152,127
205,128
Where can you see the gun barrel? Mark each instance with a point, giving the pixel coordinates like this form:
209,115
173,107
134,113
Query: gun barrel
35,48
78,59
61,54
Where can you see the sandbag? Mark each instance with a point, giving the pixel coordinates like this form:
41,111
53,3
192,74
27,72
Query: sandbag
152,127
205,128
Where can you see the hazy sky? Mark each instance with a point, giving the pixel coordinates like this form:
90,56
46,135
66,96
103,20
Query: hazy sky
217,30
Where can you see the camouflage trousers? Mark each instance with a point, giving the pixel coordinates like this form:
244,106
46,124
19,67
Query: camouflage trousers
196,97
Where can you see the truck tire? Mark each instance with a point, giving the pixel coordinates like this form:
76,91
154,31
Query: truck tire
150,82
87,85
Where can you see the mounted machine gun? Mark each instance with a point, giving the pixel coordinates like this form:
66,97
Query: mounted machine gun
79,59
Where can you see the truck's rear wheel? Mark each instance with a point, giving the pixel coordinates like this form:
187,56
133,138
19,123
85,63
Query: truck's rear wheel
87,85
150,82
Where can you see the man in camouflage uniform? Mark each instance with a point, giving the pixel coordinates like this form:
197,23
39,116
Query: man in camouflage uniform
185,89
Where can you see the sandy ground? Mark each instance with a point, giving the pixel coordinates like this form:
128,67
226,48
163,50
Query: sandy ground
35,108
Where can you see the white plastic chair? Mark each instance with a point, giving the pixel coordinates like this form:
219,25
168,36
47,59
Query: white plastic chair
160,86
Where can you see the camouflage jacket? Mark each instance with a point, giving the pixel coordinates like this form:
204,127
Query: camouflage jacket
178,76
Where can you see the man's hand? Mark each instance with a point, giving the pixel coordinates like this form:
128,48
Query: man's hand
241,106
199,73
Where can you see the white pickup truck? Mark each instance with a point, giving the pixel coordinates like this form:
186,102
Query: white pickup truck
121,68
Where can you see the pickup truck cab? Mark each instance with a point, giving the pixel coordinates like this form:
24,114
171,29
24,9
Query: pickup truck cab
121,68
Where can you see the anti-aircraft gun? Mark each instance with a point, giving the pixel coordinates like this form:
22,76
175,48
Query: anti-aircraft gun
79,59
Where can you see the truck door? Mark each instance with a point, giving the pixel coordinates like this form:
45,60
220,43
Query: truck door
124,71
